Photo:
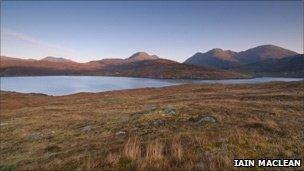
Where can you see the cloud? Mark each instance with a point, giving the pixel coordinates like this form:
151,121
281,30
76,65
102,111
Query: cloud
37,42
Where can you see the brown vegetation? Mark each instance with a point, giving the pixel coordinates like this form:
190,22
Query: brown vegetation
186,127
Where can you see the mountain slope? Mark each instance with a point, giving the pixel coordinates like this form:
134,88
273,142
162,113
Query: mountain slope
216,58
288,66
264,52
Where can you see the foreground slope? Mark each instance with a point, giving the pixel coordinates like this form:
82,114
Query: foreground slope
186,127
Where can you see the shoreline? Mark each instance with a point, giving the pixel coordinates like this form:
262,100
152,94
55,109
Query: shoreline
179,84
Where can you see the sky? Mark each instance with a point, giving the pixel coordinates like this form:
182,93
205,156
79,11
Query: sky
94,30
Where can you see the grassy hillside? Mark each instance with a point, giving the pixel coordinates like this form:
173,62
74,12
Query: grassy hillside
186,127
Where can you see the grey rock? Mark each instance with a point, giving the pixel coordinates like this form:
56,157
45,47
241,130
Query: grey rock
207,119
35,136
151,108
203,119
3,123
87,128
121,133
170,110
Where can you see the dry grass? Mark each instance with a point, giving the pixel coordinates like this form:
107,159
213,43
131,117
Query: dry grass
131,130
177,149
132,148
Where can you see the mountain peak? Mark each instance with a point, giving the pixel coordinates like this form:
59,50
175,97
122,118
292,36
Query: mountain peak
56,59
216,50
268,46
264,52
140,53
140,56
222,54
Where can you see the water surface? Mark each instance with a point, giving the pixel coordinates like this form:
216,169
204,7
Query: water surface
64,85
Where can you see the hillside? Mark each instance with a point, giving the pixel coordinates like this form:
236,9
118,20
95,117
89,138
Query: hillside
138,65
264,52
186,127
162,68
216,58
292,66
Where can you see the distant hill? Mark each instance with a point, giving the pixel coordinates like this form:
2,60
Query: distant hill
258,60
141,56
30,67
139,64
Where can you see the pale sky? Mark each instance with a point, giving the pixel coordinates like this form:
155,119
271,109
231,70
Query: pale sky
93,30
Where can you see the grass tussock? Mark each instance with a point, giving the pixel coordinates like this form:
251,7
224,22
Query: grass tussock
132,148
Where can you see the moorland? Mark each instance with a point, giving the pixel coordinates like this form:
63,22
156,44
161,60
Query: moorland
184,127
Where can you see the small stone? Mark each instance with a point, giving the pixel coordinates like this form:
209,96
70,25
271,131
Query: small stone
86,128
169,110
151,108
207,119
3,123
121,133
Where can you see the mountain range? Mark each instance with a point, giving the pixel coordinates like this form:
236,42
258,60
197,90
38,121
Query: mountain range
139,64
266,60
